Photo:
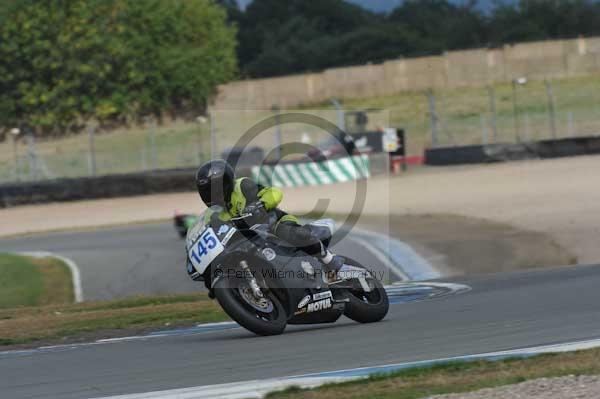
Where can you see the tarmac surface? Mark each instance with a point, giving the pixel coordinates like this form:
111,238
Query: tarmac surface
501,312
146,259
504,311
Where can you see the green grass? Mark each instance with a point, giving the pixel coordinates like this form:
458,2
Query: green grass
460,111
135,302
36,325
455,377
20,281
26,281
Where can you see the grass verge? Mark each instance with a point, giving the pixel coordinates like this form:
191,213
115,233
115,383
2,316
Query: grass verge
34,326
26,281
453,378
463,113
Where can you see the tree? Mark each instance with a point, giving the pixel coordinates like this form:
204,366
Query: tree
278,37
65,61
539,20
443,25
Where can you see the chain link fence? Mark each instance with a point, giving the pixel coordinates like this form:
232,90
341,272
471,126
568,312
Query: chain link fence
285,140
520,112
24,157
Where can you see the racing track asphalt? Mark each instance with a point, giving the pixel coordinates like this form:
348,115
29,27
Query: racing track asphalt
144,259
502,311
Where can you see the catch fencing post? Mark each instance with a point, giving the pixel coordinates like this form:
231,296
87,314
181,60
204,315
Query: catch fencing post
36,164
143,157
202,121
527,128
515,114
551,112
150,141
92,150
492,97
522,81
213,137
276,110
14,133
153,144
484,130
341,114
433,118
571,124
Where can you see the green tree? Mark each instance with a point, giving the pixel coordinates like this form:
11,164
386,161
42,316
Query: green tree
278,37
65,61
442,25
540,20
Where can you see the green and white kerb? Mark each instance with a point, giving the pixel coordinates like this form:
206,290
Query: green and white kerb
314,173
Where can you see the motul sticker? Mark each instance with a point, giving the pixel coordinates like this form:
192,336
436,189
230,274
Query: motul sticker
319,305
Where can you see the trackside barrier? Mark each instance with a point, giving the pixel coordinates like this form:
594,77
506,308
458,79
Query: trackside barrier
110,186
181,180
313,173
510,152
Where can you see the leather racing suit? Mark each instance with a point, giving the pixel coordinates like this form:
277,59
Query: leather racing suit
246,193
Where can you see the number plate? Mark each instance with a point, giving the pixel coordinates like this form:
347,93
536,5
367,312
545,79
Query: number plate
205,249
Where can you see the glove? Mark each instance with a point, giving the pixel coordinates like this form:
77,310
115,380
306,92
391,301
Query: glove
255,213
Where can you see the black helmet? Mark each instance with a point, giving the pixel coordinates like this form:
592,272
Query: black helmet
215,181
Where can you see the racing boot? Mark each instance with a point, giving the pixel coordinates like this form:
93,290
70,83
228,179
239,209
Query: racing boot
332,264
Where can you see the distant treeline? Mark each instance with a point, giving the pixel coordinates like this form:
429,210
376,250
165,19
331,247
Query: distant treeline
279,37
64,62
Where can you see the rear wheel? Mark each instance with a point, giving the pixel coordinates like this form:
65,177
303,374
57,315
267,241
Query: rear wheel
363,306
262,316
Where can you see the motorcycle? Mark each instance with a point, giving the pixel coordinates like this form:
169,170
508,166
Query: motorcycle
264,284
183,222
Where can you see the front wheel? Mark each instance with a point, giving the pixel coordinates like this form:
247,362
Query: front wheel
366,307
264,316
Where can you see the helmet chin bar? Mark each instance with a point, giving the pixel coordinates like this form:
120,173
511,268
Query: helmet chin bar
216,195
214,181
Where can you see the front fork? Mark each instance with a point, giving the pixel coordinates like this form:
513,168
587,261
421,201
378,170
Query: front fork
247,274
251,280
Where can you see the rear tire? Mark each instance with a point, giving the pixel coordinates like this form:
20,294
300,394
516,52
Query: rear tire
366,307
227,294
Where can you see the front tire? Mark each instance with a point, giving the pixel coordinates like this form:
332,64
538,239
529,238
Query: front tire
366,307
228,292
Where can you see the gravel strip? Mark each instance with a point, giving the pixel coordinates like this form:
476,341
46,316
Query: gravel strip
571,387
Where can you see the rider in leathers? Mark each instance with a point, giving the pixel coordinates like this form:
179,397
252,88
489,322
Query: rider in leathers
217,185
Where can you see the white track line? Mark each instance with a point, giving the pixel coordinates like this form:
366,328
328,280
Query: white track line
75,275
259,388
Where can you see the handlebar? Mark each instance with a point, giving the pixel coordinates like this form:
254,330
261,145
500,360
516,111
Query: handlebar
256,205
241,217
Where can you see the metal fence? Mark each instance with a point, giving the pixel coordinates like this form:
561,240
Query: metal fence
24,157
518,112
523,111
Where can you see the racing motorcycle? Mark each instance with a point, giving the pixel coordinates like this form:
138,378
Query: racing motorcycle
183,222
264,284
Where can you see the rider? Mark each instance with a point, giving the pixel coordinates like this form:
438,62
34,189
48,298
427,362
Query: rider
217,185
